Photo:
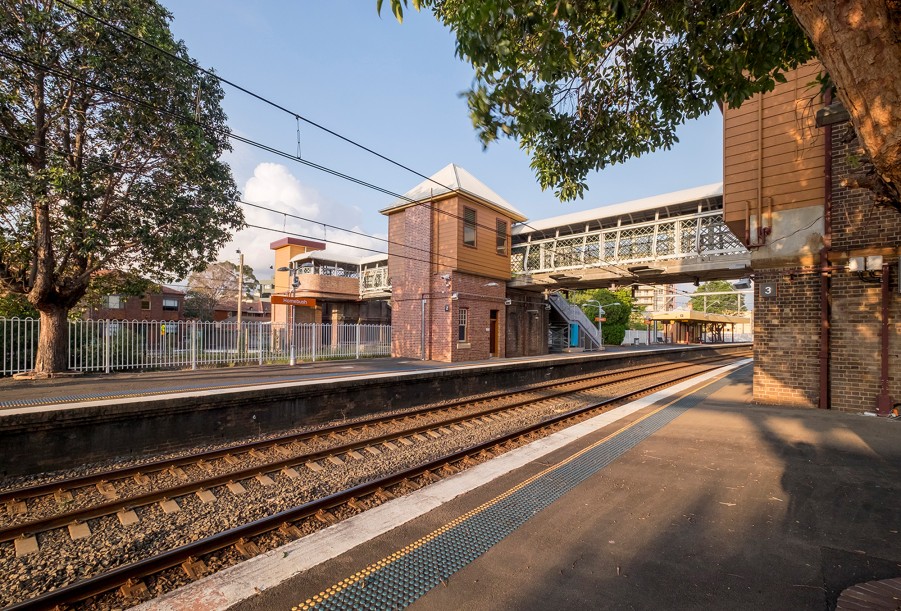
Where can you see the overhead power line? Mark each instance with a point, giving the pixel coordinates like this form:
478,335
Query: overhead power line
257,96
297,116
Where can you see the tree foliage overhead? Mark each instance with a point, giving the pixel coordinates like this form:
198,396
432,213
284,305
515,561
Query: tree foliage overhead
109,152
583,84
587,83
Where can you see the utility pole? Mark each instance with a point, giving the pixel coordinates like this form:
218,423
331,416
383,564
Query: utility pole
240,296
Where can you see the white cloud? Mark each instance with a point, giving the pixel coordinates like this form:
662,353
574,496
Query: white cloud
273,186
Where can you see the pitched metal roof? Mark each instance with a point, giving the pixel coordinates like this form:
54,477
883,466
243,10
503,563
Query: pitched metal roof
451,179
674,198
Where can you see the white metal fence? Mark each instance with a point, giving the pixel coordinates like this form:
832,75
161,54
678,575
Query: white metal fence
115,345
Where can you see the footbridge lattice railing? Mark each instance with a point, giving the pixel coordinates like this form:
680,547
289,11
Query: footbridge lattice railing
685,237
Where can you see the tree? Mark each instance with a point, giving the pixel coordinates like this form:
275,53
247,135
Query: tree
109,155
587,83
617,316
16,306
218,282
717,304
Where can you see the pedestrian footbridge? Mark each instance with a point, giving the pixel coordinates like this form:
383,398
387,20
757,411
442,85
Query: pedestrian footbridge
673,238
667,239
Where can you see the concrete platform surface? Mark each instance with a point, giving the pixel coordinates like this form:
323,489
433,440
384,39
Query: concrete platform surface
708,503
99,386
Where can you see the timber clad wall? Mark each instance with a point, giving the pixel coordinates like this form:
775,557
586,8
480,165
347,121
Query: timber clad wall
791,175
482,260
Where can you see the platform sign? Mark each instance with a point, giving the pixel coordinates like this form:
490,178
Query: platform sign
768,289
596,319
295,301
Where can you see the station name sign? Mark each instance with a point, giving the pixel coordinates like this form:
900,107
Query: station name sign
295,301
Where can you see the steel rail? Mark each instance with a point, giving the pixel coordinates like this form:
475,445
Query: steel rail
109,580
47,488
9,533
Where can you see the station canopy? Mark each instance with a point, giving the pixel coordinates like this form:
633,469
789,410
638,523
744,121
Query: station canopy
696,316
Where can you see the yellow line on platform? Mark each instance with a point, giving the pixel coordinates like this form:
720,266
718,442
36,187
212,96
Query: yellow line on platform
372,568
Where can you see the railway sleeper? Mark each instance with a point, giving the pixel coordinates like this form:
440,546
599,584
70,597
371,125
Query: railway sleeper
107,490
134,591
127,517
289,530
326,517
248,549
193,568
25,545
15,508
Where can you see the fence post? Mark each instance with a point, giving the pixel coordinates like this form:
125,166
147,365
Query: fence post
193,345
316,333
260,342
358,340
292,338
106,355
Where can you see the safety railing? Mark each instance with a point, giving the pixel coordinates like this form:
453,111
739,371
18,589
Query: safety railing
374,280
114,345
589,337
684,237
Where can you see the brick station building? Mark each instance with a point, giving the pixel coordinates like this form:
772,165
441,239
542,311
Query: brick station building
449,256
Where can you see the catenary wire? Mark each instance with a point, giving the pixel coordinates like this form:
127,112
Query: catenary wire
296,115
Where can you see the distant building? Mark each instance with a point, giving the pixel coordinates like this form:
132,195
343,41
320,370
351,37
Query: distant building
166,305
252,310
656,298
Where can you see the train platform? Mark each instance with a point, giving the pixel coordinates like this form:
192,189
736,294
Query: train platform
692,498
98,387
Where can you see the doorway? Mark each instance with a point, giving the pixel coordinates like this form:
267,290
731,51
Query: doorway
492,333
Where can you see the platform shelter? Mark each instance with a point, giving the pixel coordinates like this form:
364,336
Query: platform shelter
694,327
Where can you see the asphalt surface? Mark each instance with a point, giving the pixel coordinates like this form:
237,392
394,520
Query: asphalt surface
730,505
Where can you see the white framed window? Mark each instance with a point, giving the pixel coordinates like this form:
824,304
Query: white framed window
170,305
113,302
462,325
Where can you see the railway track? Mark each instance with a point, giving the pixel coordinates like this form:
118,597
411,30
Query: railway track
367,439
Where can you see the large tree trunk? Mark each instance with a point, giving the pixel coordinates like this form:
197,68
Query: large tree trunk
53,341
859,43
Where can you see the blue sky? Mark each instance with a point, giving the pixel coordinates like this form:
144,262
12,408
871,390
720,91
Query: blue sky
392,87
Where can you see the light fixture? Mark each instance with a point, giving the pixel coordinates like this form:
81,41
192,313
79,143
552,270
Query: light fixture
508,302
455,296
563,277
492,283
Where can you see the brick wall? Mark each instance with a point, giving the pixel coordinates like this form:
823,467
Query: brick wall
859,228
526,324
856,222
408,260
480,300
786,339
